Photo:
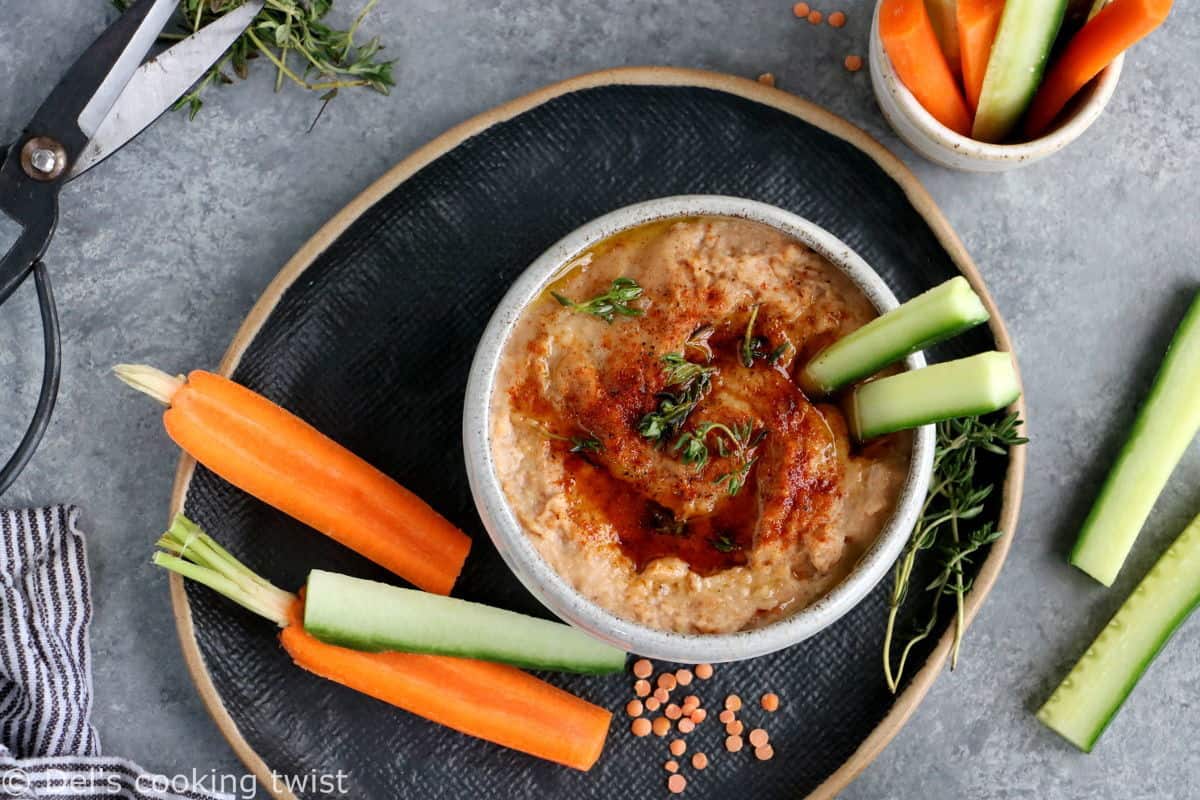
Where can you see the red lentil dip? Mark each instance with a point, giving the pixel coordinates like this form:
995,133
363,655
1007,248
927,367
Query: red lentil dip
781,505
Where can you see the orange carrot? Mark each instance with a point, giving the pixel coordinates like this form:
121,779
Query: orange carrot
913,49
977,24
495,702
1109,33
285,462
492,701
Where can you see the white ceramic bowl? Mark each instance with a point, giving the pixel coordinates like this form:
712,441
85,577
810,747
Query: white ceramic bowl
514,544
939,144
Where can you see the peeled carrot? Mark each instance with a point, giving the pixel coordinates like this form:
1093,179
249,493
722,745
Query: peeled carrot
492,701
495,702
977,24
1109,33
287,463
912,46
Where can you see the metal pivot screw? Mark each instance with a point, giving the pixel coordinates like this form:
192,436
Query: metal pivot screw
43,158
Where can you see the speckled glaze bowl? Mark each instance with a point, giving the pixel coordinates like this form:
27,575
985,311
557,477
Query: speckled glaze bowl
519,552
939,144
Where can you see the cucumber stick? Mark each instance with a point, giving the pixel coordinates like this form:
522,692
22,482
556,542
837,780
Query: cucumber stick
1089,697
1165,425
938,314
967,387
375,617
1022,46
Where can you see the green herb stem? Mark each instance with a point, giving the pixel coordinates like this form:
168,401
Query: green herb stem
955,499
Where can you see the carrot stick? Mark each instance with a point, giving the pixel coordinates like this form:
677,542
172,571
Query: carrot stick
285,462
495,702
1109,33
911,44
978,21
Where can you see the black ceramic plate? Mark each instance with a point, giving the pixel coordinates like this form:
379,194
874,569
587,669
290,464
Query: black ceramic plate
368,334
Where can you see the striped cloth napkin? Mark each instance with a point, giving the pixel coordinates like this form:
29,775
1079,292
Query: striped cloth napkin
48,747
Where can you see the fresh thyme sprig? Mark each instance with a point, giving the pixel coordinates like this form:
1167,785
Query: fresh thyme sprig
953,502
751,345
693,449
615,301
294,37
579,444
688,382
754,347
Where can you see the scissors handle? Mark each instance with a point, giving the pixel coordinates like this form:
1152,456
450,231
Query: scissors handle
51,374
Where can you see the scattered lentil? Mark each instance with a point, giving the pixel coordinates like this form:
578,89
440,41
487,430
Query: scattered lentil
683,677
634,708
699,760
642,668
733,703
733,743
676,783
641,688
815,17
671,766
690,703
764,753
704,671
800,10
766,79
758,737
770,702
734,728
666,681
837,19
661,726
726,716
685,725
661,695
653,704
853,63
698,716
672,711
677,747
640,727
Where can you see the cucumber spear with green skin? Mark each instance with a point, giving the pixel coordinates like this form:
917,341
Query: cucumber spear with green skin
1026,34
374,617
1165,426
942,312
1093,692
966,387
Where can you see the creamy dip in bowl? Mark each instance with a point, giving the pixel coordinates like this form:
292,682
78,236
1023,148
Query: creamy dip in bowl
641,455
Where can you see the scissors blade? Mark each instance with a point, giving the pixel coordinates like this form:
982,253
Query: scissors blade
162,80
125,64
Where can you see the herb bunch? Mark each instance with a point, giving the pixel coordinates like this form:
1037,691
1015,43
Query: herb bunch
294,37
615,301
947,528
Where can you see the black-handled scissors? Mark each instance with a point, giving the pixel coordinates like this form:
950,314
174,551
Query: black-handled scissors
108,97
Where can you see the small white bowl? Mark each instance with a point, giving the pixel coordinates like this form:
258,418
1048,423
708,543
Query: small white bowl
520,553
939,144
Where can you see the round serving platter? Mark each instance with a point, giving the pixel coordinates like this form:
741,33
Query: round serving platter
368,333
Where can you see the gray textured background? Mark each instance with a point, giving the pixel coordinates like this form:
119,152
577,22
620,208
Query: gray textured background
162,251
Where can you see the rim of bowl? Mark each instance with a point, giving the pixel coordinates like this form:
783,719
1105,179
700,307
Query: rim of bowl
1087,110
515,545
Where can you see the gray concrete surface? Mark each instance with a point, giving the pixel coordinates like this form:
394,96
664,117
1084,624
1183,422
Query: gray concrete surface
1090,255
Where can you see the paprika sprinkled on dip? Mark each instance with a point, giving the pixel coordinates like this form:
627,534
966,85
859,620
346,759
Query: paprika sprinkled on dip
652,443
